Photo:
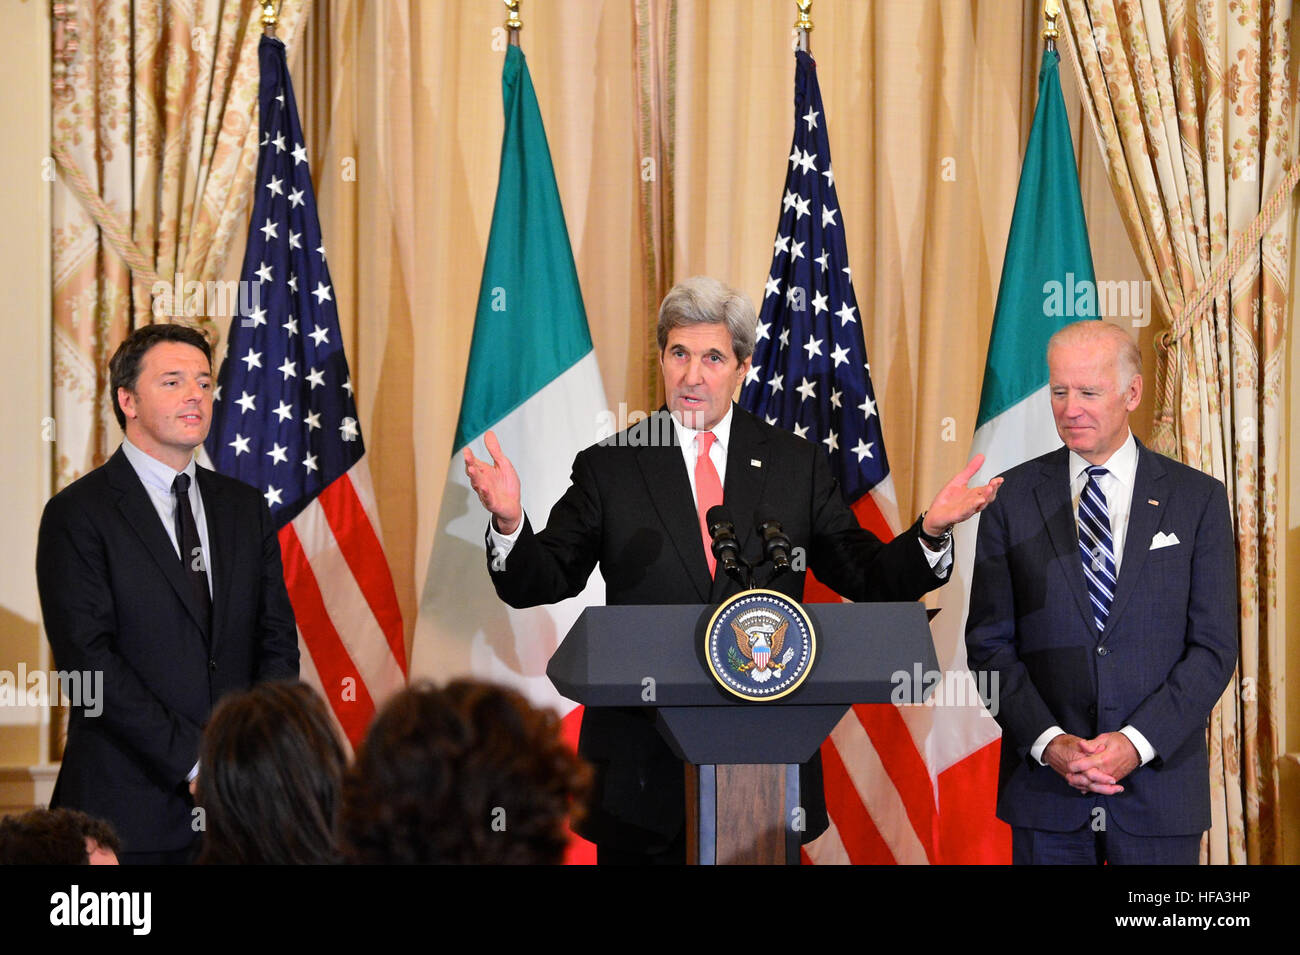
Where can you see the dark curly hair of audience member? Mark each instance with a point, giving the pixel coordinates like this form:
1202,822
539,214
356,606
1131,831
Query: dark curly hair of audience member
471,773
56,837
270,771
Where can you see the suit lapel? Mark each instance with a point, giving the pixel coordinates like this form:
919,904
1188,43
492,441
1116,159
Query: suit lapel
664,472
1053,495
141,516
221,544
1143,519
744,485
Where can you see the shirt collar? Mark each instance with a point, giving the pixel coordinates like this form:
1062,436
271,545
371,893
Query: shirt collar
1122,464
721,430
151,471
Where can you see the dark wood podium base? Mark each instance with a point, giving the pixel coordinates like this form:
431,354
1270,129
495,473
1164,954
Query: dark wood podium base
742,814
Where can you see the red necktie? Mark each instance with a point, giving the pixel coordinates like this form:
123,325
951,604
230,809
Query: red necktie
708,492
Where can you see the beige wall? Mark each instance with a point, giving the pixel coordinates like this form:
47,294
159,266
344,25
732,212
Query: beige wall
24,371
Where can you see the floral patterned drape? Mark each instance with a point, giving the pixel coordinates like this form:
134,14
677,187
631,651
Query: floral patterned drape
154,140
1191,102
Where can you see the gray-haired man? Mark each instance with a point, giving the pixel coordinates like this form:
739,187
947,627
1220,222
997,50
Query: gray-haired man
636,506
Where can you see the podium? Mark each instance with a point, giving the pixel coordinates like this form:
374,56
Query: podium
742,780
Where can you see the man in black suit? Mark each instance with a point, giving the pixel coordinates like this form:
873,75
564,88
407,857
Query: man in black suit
636,506
1105,598
165,578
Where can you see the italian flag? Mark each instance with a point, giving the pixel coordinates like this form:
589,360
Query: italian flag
533,380
1047,257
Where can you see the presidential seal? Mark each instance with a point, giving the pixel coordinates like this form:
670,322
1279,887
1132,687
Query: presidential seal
760,645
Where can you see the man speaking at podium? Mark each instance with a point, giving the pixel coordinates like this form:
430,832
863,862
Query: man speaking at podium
637,506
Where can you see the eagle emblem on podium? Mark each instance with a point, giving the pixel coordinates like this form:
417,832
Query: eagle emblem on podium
760,640
760,645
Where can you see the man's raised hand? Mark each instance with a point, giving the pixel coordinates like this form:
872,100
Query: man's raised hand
956,501
496,484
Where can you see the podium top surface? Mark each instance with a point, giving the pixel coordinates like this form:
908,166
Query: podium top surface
653,656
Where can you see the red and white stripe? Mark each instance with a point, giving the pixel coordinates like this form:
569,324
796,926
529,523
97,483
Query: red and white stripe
349,624
894,791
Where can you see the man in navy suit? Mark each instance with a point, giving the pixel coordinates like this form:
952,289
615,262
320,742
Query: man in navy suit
165,578
637,506
1105,598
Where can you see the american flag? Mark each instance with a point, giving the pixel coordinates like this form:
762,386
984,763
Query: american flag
285,421
810,372
810,375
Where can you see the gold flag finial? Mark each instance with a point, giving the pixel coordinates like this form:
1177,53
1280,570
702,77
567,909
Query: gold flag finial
804,23
513,23
268,17
1051,10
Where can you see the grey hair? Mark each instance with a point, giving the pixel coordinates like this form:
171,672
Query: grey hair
702,300
1128,358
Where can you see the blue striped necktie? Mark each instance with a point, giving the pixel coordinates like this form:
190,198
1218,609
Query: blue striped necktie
1096,548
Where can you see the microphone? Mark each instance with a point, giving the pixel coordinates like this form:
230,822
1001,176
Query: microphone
776,546
726,548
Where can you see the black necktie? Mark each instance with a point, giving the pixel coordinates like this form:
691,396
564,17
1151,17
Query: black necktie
187,536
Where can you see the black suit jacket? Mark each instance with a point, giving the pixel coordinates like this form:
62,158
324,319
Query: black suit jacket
1167,652
630,510
116,601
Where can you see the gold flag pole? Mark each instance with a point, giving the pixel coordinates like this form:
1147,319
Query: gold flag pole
1051,10
268,18
513,23
804,23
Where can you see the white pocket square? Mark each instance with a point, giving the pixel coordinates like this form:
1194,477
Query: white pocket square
1164,540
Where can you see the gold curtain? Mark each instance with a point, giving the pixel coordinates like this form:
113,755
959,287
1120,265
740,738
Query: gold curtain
1192,104
656,89
155,149
929,106
401,103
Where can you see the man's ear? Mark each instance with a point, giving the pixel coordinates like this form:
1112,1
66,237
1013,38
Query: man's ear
126,401
1135,393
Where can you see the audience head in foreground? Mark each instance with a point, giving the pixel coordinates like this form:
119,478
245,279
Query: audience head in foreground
57,837
469,773
270,770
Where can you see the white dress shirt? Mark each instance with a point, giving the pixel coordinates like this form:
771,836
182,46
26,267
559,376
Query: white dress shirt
157,479
1117,486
